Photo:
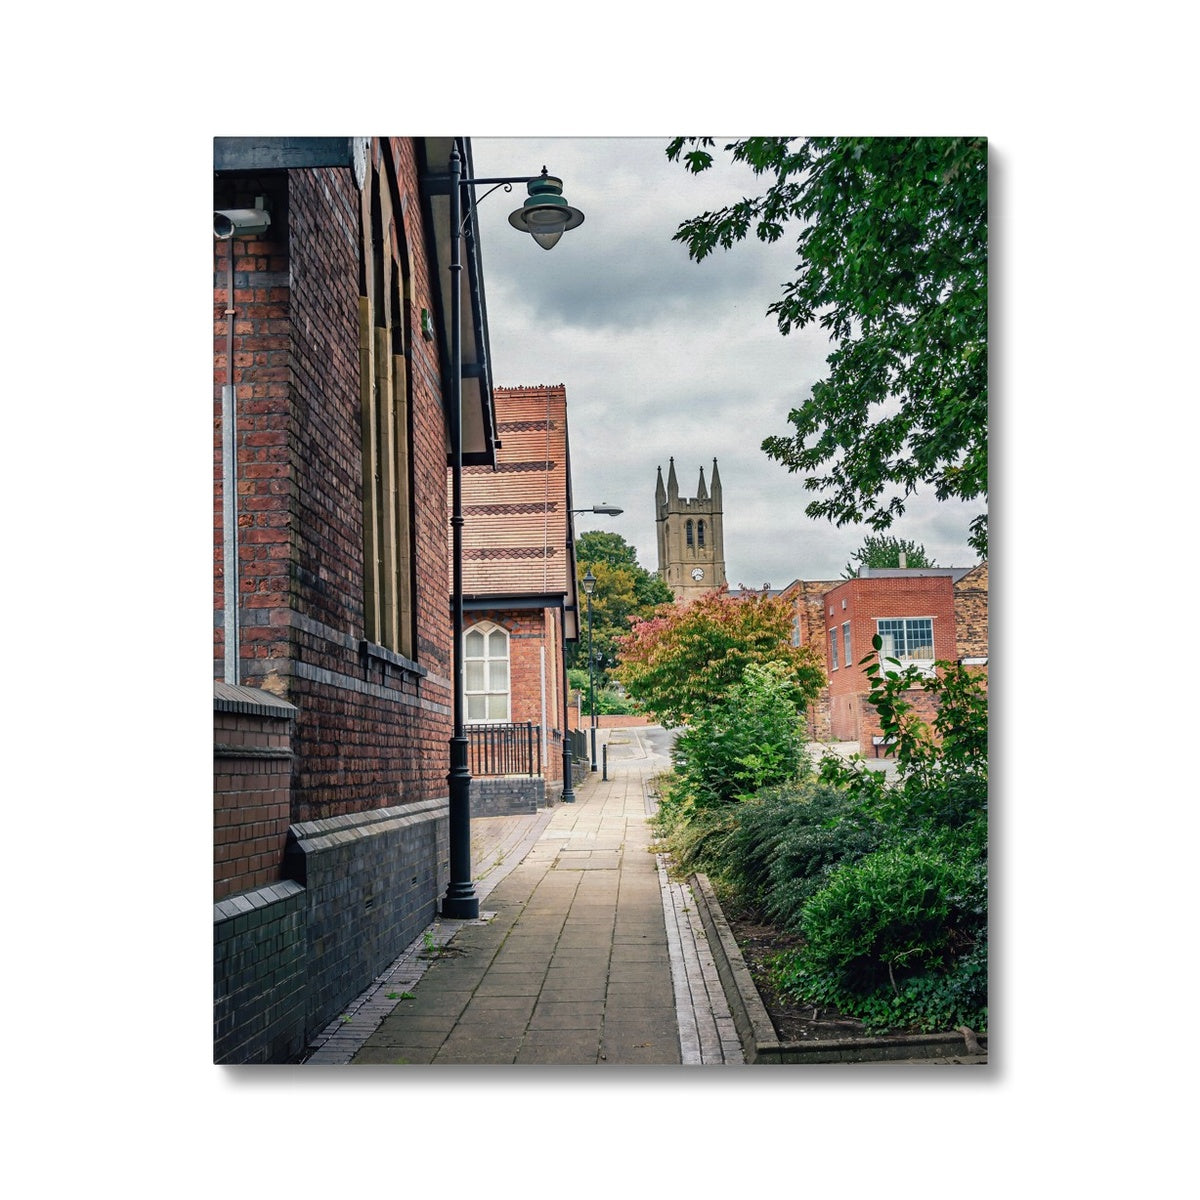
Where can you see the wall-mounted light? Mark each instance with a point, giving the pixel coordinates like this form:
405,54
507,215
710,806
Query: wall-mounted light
545,215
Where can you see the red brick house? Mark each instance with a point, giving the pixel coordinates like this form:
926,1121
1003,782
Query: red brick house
332,625
519,600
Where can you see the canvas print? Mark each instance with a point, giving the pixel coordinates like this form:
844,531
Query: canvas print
600,581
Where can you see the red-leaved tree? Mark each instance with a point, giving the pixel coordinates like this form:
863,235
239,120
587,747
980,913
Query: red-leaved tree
684,659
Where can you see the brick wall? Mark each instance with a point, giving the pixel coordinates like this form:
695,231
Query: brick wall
260,957
531,633
371,728
252,763
971,612
371,883
859,602
807,597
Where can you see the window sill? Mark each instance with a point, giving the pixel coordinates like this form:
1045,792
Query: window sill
369,650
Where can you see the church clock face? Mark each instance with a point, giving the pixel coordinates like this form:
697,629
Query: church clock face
697,573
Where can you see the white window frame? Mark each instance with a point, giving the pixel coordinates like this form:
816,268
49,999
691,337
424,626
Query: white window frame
846,642
833,649
921,662
490,692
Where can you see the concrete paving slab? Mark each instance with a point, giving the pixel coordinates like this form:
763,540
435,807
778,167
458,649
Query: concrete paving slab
581,959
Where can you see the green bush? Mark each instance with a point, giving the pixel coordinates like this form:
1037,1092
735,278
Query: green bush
896,938
750,740
886,883
784,843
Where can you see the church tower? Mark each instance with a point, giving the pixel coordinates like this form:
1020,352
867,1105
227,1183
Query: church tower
691,536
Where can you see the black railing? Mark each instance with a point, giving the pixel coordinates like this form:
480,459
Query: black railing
505,749
580,763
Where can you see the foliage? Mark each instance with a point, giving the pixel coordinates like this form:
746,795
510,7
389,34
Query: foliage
684,660
624,592
900,936
881,550
886,883
786,842
893,265
896,910
608,699
750,738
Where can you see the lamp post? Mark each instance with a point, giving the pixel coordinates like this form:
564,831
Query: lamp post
589,586
545,215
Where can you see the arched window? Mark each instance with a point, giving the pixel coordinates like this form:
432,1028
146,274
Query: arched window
700,534
690,535
485,673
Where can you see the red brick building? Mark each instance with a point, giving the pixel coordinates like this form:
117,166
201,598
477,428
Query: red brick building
923,615
519,592
332,627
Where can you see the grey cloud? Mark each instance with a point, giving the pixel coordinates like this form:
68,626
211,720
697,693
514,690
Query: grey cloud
664,357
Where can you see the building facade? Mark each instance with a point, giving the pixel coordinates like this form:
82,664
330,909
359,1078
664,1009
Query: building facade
519,594
923,615
691,535
332,626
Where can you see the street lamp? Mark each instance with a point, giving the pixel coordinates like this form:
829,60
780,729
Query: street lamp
605,510
545,215
589,586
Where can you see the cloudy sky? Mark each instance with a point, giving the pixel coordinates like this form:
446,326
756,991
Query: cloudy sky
662,356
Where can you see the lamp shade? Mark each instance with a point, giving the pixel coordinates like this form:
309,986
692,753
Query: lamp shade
545,214
589,582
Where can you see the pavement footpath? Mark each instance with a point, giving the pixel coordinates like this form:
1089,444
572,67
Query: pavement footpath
585,951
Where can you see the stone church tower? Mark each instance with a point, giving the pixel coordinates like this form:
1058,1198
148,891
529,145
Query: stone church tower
691,536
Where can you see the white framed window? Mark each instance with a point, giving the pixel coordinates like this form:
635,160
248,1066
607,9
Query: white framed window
486,673
833,648
846,643
909,639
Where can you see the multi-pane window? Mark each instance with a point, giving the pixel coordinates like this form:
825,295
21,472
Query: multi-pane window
485,673
910,639
846,643
833,648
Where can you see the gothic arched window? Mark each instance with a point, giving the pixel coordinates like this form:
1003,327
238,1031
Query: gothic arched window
700,534
485,671
690,535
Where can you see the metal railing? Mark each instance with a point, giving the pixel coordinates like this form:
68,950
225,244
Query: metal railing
508,749
580,763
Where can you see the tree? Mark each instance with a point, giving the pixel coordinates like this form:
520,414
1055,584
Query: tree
883,551
686,659
624,592
893,264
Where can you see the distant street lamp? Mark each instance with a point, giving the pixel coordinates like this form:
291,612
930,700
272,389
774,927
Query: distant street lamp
605,510
545,215
589,586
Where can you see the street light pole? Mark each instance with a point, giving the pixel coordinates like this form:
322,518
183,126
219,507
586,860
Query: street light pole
545,215
589,586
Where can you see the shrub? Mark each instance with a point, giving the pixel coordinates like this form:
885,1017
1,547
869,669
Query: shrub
749,740
897,938
785,842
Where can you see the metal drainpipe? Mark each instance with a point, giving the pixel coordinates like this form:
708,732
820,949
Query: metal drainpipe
229,486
